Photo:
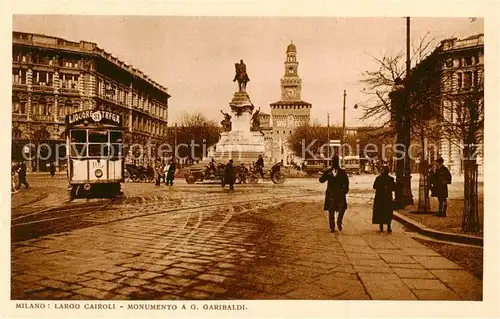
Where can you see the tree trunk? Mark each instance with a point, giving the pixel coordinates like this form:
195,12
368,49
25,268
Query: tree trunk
470,217
423,187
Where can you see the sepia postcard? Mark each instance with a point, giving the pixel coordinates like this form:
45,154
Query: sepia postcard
250,159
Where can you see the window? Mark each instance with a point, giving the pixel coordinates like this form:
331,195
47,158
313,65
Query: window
467,80
44,108
69,81
459,81
116,137
18,76
476,78
78,136
98,136
468,61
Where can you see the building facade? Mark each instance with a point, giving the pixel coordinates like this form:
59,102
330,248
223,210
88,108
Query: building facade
465,59
53,77
289,112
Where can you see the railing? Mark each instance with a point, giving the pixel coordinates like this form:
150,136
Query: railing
19,117
43,118
42,88
20,86
69,91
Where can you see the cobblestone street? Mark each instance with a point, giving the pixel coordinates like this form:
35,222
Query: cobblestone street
262,241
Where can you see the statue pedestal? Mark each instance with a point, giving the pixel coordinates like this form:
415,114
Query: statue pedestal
240,144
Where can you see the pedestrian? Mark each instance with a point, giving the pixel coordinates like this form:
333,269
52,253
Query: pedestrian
165,172
158,173
336,191
170,175
383,203
260,166
439,180
52,169
22,175
229,175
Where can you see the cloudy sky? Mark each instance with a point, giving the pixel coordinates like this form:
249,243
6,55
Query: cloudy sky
194,56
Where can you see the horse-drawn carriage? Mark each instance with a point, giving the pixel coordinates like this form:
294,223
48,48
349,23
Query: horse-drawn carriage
243,173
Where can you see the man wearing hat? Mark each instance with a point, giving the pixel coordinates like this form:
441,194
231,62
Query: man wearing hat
439,180
336,191
229,175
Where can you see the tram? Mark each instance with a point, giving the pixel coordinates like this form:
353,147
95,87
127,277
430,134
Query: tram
95,158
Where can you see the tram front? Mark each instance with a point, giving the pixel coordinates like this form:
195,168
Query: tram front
95,157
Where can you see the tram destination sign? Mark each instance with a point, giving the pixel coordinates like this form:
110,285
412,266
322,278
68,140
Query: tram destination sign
94,116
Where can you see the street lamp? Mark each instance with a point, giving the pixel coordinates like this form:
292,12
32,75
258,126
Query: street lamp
343,124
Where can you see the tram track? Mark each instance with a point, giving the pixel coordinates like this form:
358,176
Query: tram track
32,226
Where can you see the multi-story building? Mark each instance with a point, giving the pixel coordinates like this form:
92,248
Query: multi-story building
465,59
289,112
53,77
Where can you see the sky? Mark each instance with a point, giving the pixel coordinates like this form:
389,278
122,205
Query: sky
194,56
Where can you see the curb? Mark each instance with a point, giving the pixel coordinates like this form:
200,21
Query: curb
424,230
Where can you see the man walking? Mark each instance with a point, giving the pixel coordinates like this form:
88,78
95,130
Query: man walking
439,180
336,191
22,175
52,169
170,173
229,175
260,166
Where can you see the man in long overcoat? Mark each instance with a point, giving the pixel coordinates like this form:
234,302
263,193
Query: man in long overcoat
229,175
439,180
336,191
22,175
383,203
169,179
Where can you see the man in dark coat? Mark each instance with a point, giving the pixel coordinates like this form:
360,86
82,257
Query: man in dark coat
336,191
22,175
170,173
439,180
52,169
383,204
260,166
229,175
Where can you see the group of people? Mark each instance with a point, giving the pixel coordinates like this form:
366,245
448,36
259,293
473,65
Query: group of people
165,172
384,185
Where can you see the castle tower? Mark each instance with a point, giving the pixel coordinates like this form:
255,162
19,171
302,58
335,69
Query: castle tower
291,111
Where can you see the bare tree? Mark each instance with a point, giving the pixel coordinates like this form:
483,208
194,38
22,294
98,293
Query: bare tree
423,94
462,119
195,133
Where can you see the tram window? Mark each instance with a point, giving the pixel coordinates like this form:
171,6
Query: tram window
115,136
100,150
116,151
78,150
98,136
78,136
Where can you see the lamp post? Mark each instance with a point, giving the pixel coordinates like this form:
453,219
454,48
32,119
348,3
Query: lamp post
328,134
343,128
400,96
175,142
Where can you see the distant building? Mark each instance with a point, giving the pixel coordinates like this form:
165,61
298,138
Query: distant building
53,77
267,129
289,112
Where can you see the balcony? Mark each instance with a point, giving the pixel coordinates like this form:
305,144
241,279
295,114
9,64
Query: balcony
40,87
19,117
19,86
42,118
71,91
